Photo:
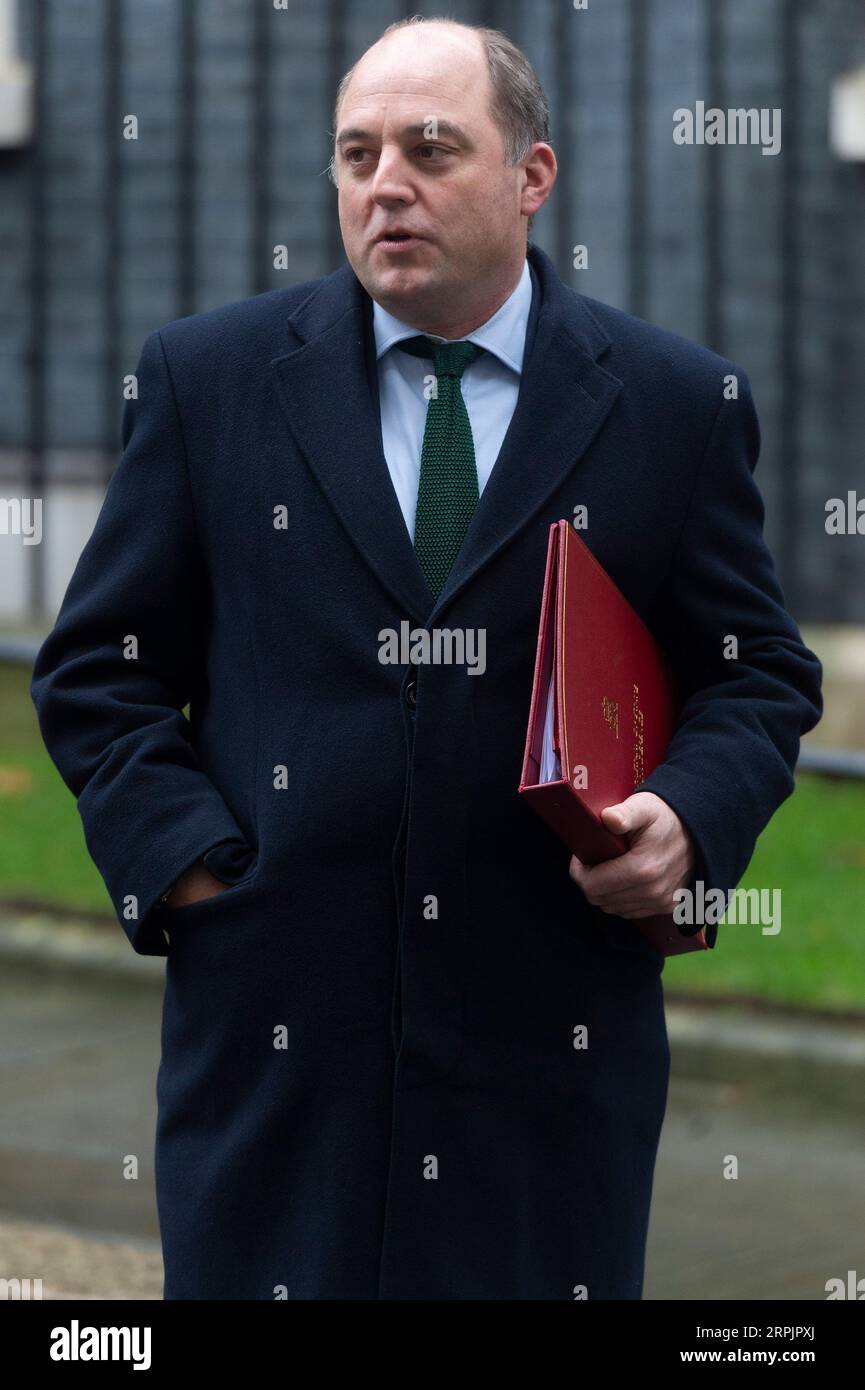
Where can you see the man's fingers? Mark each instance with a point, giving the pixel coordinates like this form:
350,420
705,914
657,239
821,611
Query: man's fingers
595,879
629,874
632,907
624,887
638,915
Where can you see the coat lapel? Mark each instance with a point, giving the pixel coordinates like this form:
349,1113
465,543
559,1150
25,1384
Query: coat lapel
564,399
324,385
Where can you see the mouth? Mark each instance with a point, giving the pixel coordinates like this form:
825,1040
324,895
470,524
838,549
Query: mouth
398,241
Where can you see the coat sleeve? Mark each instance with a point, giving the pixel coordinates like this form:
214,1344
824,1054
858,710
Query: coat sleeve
731,760
110,715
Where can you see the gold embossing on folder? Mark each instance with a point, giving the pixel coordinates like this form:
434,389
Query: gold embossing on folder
638,738
611,713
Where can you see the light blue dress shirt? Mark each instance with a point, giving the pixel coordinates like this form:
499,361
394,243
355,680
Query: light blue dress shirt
490,386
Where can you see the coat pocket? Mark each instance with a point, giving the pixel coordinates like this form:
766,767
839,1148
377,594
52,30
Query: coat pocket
236,864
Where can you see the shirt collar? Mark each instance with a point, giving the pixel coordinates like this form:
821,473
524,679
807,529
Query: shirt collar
504,335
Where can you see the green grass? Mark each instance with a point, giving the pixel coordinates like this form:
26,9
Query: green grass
42,850
813,850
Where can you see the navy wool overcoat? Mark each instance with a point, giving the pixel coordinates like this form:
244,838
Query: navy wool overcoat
369,1086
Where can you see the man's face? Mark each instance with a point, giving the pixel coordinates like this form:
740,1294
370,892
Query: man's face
418,151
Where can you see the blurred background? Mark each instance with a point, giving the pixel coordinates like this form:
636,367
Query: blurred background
161,157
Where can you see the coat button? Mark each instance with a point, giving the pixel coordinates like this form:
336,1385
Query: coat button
411,694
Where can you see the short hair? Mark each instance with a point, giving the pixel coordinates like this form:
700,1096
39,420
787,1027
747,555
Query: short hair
519,105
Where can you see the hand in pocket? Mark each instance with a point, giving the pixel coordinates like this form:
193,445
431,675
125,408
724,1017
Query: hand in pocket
193,886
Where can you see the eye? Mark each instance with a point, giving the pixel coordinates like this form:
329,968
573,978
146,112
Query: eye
428,154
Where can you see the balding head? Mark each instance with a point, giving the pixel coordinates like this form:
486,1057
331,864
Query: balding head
423,146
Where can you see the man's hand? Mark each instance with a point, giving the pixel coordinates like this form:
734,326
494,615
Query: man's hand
660,858
194,885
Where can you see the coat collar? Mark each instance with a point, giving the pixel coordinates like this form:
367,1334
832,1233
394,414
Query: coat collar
327,386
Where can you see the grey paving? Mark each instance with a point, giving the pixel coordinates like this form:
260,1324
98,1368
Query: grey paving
79,1051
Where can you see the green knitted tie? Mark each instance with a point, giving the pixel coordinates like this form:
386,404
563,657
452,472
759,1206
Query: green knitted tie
448,488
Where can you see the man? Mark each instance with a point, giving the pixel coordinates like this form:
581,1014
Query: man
379,961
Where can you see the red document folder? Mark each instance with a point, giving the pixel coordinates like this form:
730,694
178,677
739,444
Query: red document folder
613,712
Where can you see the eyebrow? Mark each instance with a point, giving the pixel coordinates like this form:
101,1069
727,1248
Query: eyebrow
447,128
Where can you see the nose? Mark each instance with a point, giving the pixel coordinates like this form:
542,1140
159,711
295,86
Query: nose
391,182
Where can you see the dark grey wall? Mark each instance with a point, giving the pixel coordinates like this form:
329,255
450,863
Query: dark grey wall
102,239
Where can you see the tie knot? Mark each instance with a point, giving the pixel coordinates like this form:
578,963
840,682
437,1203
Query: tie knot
450,359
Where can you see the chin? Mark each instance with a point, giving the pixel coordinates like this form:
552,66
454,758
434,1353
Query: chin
403,281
